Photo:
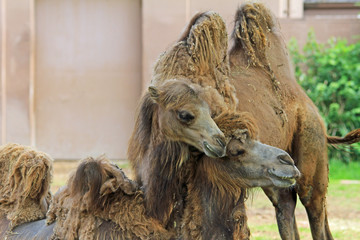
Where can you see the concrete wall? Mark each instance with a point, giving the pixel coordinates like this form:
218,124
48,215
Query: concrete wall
88,76
15,71
163,22
72,71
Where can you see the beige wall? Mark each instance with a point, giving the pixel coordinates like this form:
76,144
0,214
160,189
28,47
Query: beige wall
88,61
323,28
2,133
88,76
15,115
164,20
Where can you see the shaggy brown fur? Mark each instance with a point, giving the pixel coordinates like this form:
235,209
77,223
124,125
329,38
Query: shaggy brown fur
99,201
25,176
198,57
99,192
161,142
266,87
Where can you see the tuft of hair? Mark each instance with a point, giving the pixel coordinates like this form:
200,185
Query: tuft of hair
252,22
164,192
97,193
229,122
25,176
200,55
207,40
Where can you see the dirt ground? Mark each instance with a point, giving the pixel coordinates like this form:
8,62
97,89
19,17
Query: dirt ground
343,204
343,215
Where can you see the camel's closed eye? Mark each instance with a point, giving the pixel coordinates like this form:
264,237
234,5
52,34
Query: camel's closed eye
185,116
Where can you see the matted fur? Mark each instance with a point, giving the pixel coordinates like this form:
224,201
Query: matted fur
200,56
161,151
25,176
100,200
99,191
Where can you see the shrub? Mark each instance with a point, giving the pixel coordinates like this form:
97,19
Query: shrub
330,75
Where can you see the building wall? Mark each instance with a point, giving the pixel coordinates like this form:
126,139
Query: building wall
15,71
88,76
72,71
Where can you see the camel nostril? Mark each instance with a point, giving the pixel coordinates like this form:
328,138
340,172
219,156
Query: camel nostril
286,159
221,142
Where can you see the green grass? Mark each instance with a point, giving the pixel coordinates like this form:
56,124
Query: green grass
124,165
340,170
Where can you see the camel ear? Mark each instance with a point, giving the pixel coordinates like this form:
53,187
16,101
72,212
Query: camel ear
154,92
207,40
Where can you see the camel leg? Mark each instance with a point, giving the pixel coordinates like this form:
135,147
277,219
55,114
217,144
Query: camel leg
312,194
284,201
310,155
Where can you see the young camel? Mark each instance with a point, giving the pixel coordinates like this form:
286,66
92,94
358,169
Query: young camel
173,122
100,202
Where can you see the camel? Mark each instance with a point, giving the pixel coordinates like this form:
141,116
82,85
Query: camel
262,74
173,120
255,77
25,176
100,202
187,61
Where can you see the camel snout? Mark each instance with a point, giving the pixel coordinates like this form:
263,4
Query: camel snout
215,149
287,160
221,141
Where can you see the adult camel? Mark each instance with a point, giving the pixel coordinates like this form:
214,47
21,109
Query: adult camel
259,81
262,74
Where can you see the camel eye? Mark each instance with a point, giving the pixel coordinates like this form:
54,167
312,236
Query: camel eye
237,152
185,116
240,152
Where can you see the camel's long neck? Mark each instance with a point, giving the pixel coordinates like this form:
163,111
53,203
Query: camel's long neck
165,176
212,210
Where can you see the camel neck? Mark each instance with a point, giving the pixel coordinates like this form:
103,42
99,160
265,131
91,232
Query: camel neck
211,213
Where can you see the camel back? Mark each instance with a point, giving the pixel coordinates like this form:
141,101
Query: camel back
98,199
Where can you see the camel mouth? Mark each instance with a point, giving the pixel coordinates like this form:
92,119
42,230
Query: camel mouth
282,180
213,152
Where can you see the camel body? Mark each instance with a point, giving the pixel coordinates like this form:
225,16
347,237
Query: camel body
100,202
263,76
255,78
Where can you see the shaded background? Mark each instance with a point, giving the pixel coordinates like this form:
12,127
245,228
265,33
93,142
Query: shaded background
72,71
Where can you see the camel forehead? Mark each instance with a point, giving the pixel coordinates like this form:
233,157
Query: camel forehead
177,94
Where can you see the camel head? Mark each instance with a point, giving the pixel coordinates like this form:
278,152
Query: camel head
184,116
261,165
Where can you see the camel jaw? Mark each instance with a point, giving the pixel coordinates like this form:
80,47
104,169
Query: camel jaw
281,180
